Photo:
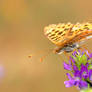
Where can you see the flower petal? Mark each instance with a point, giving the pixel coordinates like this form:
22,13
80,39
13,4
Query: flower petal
90,56
90,74
74,53
75,68
69,83
69,76
83,84
67,66
77,73
84,71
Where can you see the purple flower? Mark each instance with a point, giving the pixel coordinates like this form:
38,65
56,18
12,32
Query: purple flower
80,68
90,74
1,71
83,84
71,61
76,81
90,55
70,82
84,71
74,53
67,66
77,73
75,68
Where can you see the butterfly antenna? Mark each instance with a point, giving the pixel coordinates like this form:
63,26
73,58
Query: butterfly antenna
47,51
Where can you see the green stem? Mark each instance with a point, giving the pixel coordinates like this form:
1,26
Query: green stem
86,90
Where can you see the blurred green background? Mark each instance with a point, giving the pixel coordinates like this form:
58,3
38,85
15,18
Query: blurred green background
21,34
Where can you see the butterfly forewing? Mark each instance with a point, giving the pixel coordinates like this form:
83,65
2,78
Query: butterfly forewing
57,33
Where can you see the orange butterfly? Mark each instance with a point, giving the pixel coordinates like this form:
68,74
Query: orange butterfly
68,36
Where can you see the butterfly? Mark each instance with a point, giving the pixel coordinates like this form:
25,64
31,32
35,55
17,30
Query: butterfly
68,36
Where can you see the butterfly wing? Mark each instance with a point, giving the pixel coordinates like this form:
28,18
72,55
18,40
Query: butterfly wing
81,32
58,33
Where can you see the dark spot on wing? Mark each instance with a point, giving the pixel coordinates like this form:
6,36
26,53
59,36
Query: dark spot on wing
57,31
60,33
63,26
66,29
52,34
86,28
53,30
63,34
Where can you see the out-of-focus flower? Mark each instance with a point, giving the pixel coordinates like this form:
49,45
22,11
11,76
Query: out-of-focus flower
1,71
80,67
